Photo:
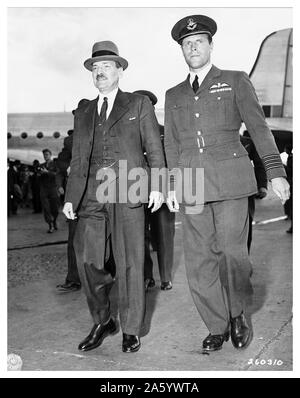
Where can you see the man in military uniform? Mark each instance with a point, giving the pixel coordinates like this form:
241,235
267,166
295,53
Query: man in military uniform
203,115
115,127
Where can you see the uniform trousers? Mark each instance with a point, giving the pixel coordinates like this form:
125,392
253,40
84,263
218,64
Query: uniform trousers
217,262
96,224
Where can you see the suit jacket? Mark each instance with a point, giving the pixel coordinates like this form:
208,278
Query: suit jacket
202,131
133,129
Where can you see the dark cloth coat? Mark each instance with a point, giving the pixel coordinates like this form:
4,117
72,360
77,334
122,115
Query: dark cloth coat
133,128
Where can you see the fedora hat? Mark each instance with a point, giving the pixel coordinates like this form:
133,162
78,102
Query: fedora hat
105,51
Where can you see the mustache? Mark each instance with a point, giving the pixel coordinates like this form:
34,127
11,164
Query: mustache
101,76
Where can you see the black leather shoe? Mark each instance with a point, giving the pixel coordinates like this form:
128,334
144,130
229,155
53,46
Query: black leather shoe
97,335
149,282
241,334
214,342
131,343
68,287
55,225
166,285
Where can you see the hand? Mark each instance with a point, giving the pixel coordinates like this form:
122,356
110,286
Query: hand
43,170
61,191
172,203
68,211
262,193
282,188
156,199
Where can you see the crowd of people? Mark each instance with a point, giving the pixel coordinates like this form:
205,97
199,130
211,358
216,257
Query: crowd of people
23,187
34,187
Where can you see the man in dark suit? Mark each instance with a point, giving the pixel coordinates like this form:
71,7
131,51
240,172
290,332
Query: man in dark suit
72,282
203,116
261,181
110,136
160,230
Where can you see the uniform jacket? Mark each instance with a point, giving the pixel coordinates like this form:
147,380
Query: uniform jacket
133,129
202,131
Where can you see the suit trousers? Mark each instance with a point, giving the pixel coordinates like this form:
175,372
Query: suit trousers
72,275
162,230
96,223
217,262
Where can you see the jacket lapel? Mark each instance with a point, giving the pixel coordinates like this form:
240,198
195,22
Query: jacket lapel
120,107
186,86
212,74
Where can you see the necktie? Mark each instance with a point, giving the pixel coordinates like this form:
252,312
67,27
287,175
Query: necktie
195,84
103,110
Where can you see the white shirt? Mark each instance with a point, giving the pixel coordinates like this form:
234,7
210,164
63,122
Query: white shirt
201,74
110,101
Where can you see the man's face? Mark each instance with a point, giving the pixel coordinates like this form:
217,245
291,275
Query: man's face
196,50
47,155
106,75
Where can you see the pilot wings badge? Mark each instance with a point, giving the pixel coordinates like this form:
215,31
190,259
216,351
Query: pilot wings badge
191,25
219,87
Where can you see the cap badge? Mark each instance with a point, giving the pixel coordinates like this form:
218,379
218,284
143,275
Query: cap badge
191,25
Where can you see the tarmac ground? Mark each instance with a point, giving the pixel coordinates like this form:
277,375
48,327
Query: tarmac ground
45,327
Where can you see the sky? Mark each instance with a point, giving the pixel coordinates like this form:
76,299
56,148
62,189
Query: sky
46,48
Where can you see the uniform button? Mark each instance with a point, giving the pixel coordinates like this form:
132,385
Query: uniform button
105,147
219,98
234,154
196,98
104,153
200,150
197,114
199,132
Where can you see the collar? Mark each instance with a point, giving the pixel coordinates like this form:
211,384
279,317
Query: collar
110,96
201,74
